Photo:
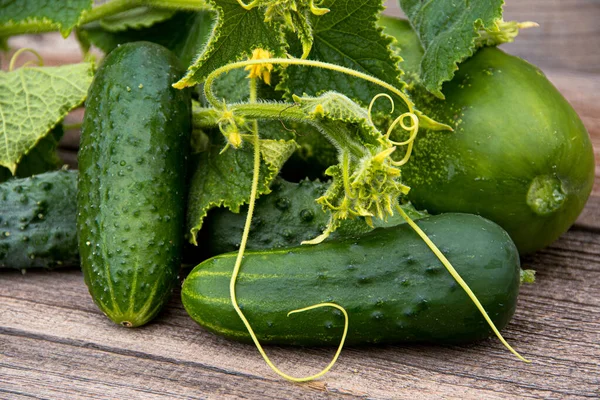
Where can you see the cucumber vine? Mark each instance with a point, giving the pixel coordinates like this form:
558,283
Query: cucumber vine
366,182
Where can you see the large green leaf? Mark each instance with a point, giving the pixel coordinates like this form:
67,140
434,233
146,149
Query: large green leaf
225,179
449,32
64,14
237,33
346,36
32,101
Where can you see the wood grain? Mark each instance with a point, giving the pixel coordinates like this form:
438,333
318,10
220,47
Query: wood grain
54,343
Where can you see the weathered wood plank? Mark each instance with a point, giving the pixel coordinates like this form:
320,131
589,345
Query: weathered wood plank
52,337
72,370
590,216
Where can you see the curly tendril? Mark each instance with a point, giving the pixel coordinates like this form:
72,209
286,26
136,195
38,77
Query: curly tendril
413,129
238,264
18,53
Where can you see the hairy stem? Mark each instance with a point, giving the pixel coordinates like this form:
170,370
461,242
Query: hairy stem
203,118
208,92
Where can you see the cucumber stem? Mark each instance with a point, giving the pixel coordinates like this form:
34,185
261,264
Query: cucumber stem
458,279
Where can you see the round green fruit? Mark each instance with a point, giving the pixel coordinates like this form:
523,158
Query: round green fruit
519,154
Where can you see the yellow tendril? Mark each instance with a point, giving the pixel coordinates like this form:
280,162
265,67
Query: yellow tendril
317,10
15,56
250,6
413,129
457,278
238,264
370,109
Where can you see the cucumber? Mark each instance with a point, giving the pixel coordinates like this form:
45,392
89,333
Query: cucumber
285,217
390,283
37,221
519,154
131,199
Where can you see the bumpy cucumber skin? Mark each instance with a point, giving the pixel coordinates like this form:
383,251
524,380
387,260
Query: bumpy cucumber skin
131,197
285,217
37,221
391,284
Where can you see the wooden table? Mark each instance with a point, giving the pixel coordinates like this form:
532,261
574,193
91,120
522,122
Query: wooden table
54,343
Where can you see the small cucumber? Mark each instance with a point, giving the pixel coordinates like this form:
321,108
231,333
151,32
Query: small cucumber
390,283
285,217
131,198
37,221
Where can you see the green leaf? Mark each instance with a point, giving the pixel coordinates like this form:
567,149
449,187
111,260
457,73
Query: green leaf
233,86
185,33
448,31
346,36
225,179
41,158
137,18
303,29
64,14
32,101
237,33
276,152
406,44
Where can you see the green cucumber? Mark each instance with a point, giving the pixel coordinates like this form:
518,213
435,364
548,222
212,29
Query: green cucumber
390,283
37,221
519,154
285,217
131,199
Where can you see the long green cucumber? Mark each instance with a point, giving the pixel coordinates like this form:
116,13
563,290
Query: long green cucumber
37,221
131,198
390,283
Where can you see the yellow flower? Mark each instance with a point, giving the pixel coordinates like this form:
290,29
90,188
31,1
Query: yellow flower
262,71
